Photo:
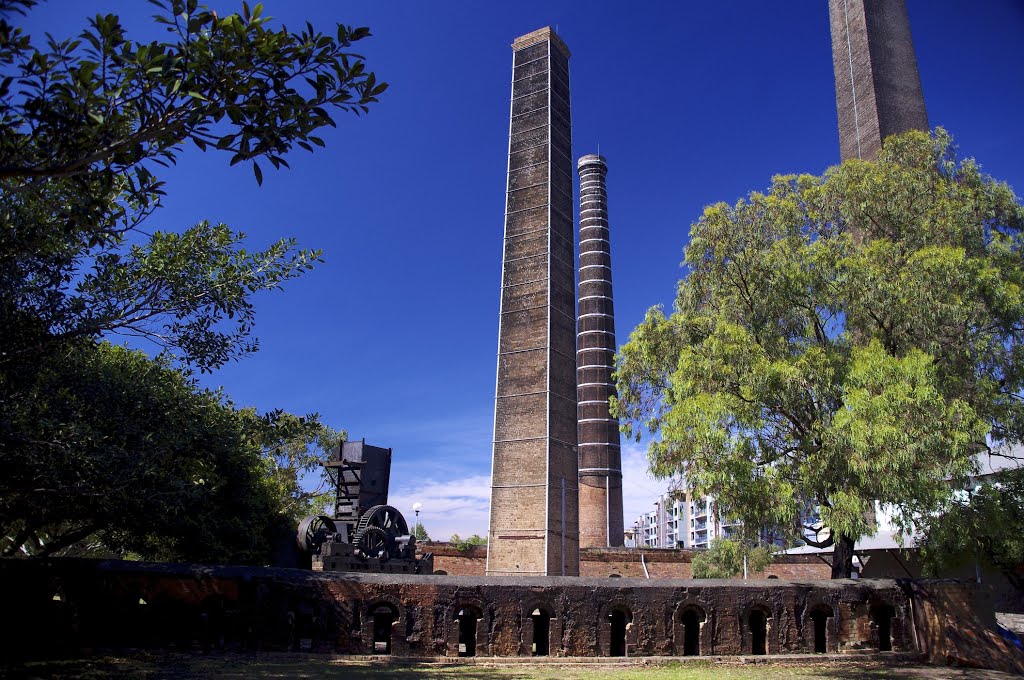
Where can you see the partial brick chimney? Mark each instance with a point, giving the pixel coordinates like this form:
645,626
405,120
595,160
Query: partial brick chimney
878,88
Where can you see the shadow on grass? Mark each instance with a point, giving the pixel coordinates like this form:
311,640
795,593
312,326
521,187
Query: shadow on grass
255,667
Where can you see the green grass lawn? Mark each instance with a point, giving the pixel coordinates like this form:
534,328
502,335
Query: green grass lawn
279,666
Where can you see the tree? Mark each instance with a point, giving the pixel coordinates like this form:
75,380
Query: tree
466,544
724,559
979,525
840,340
295,447
84,125
131,456
420,533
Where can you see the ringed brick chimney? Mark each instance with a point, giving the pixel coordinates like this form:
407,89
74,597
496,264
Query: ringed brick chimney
878,88
600,460
534,528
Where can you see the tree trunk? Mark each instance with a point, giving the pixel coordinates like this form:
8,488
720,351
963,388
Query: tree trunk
842,557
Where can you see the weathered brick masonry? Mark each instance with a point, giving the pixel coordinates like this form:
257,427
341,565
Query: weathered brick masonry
878,88
534,526
600,459
629,563
71,606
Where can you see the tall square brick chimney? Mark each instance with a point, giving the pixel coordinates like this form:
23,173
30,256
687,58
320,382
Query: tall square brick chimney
878,88
534,526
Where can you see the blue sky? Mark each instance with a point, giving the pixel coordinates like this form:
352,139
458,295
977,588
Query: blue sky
394,337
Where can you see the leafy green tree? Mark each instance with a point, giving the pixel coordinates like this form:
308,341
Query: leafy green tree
466,544
979,525
85,125
295,448
129,454
420,533
724,559
839,340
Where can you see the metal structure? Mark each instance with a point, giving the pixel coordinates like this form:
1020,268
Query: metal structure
365,533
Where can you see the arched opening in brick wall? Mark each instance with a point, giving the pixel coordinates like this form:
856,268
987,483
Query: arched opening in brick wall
819,628
541,632
384,615
467,622
758,624
691,619
881,617
618,621
58,616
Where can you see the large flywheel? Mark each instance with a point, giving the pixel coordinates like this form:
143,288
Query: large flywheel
378,532
375,542
384,517
314,532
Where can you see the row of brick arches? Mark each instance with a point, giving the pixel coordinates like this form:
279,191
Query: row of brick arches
693,630
618,625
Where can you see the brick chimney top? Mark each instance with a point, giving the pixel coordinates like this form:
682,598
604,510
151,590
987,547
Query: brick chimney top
540,35
592,159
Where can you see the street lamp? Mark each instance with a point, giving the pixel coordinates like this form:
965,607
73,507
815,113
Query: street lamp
417,506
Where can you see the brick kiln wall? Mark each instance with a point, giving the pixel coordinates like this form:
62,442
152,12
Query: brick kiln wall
71,606
626,562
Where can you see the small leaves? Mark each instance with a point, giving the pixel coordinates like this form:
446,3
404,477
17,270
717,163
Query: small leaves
838,340
83,124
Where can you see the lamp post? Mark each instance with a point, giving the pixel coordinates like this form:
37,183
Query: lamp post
417,506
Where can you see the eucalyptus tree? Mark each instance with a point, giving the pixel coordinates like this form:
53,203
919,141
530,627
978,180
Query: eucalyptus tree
839,340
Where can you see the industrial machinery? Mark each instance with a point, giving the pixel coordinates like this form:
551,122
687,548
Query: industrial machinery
365,533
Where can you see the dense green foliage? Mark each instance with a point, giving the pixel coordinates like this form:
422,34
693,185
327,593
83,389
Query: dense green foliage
294,448
129,454
839,340
724,559
85,122
420,532
979,525
97,442
466,544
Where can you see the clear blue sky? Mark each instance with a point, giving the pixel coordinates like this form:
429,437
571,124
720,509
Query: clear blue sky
394,337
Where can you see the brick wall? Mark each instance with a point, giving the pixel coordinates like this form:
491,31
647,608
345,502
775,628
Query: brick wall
626,562
75,606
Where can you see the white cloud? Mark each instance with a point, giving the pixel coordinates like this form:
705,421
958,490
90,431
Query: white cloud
457,506
639,488
460,505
